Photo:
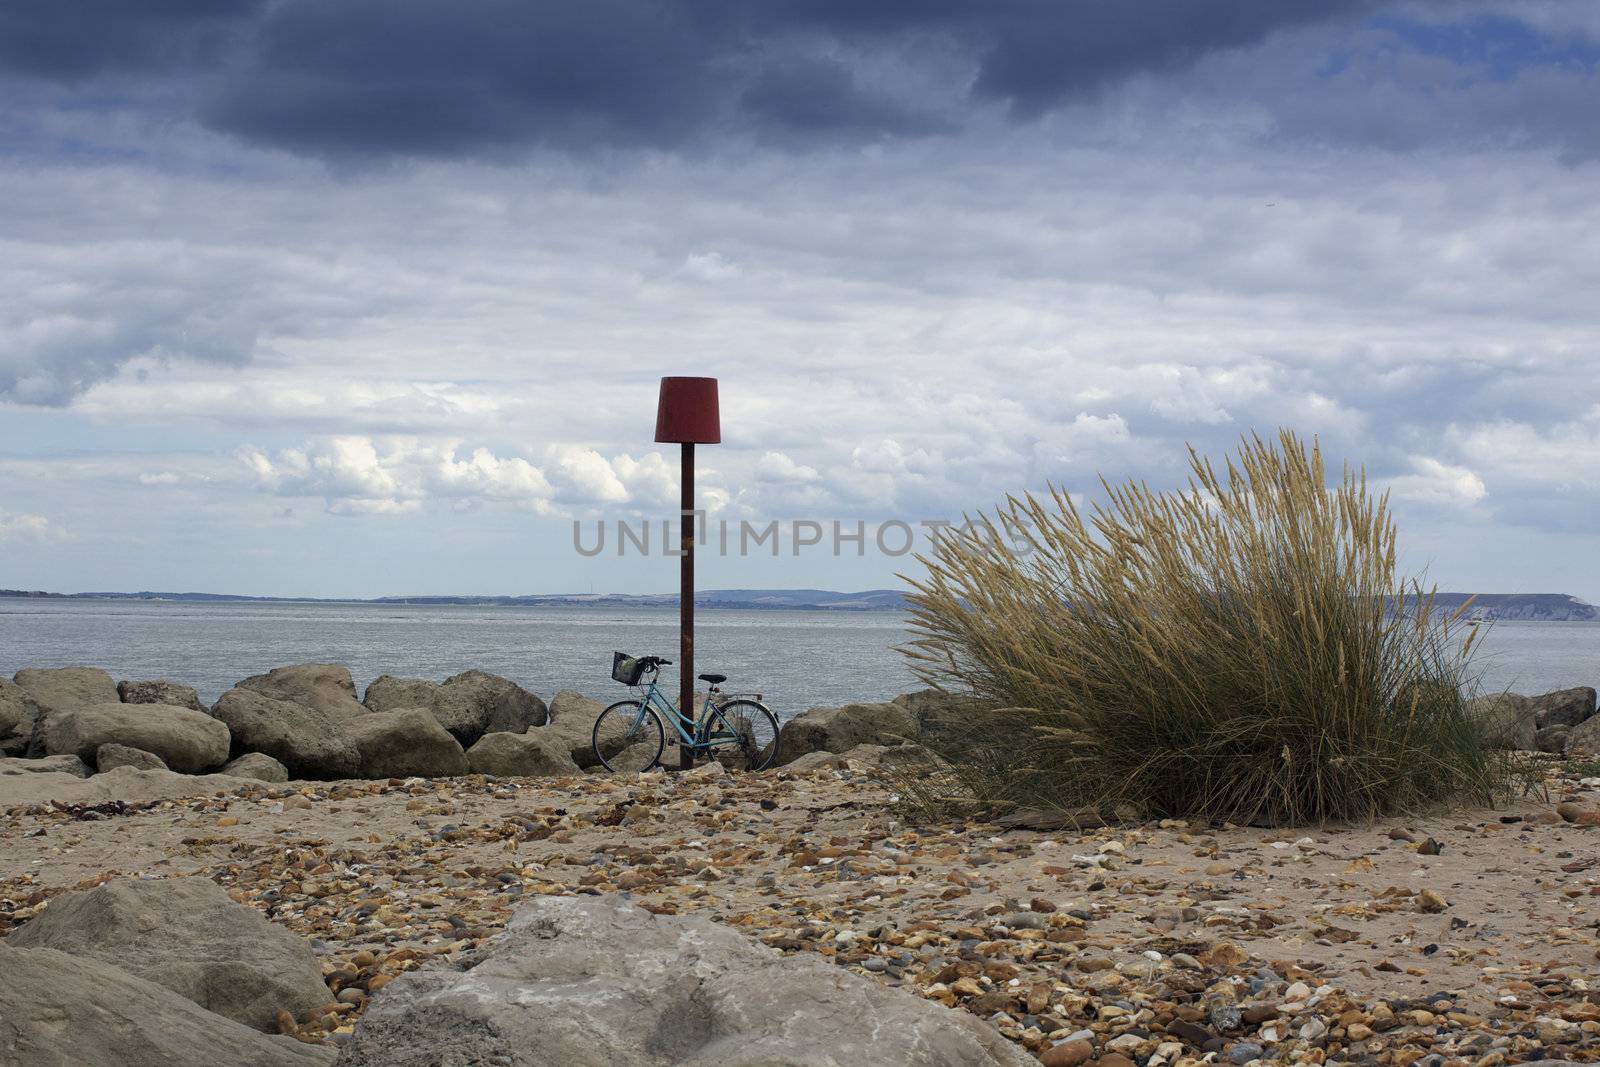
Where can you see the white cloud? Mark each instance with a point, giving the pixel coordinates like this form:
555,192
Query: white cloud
1563,454
709,266
587,476
1086,437
777,468
1433,482
29,528
365,475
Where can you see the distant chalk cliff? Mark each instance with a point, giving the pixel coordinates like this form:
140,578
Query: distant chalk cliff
1520,607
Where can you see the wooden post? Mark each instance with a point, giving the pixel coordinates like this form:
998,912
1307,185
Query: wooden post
687,414
686,606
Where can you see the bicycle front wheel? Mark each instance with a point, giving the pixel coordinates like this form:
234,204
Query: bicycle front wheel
742,735
628,737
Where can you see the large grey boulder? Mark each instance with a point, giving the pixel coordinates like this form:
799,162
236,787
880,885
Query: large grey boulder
586,982
160,691
46,765
1552,739
324,687
468,705
938,712
58,1010
1584,740
256,765
127,784
572,719
17,714
513,755
65,688
111,756
188,741
908,757
188,935
1507,718
506,707
841,729
1565,707
405,744
310,743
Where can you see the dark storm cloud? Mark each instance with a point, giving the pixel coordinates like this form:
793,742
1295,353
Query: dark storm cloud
71,40
405,77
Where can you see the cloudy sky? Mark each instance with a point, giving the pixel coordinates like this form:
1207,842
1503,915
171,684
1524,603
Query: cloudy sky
363,297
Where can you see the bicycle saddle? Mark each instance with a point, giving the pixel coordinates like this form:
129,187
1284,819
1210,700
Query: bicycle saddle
714,679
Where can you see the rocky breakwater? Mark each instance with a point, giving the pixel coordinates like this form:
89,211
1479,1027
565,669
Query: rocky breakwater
307,722
1562,723
302,722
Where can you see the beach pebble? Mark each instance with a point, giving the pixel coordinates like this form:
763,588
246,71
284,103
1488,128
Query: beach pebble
1431,901
1067,1054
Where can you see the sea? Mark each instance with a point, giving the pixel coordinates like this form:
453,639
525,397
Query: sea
795,659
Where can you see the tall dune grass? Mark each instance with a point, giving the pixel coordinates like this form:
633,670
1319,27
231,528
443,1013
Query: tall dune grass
1232,651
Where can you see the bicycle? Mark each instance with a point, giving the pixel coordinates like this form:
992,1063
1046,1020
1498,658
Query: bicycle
739,732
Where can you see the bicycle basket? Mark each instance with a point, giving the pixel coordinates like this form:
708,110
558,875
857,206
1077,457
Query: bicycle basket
626,669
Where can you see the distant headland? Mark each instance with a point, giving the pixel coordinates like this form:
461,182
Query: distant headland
774,599
1517,607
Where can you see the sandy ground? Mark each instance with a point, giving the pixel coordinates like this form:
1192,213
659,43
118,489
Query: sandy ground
1470,937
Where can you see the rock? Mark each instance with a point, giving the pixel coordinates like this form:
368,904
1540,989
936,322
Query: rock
64,688
160,691
1190,1033
468,705
17,714
663,990
572,718
841,729
1507,719
405,744
309,743
508,708
1431,901
1584,740
1565,707
1571,812
46,765
58,1010
324,687
1245,1052
126,784
257,765
866,756
188,741
939,713
109,757
1067,1054
1552,739
520,755
187,935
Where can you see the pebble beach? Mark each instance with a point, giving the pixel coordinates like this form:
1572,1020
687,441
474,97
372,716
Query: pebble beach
1467,937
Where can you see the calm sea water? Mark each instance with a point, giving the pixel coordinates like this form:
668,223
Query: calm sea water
798,659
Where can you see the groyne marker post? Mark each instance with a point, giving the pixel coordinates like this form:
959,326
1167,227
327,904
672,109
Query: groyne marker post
687,414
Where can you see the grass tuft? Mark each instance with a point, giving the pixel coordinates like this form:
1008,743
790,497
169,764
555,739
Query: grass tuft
1229,651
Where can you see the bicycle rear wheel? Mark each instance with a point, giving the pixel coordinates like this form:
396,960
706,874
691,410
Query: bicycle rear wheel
744,738
624,742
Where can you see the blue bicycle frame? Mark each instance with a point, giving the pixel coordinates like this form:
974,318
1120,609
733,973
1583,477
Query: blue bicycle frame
711,713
